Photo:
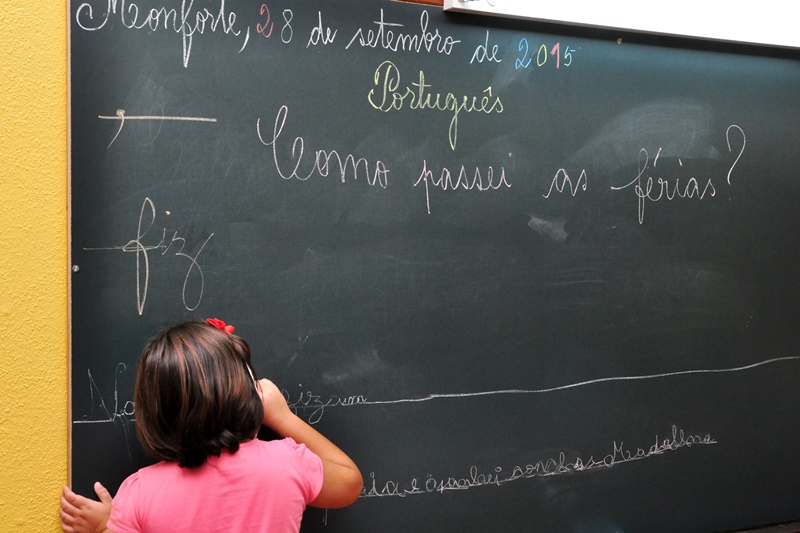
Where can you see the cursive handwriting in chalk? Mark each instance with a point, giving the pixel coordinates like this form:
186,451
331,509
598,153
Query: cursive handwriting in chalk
551,466
484,53
561,182
93,16
388,95
312,406
321,34
169,242
325,161
119,410
389,36
460,180
654,189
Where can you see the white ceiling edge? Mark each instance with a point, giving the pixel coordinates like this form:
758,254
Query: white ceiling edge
762,23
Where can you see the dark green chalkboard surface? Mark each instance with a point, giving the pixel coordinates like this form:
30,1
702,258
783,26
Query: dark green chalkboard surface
532,278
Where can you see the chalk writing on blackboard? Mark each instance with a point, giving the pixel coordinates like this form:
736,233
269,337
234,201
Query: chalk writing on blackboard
654,189
498,476
325,161
169,244
307,402
186,21
108,414
483,52
394,40
460,179
311,406
321,34
539,58
561,181
120,115
734,127
552,466
389,95
265,29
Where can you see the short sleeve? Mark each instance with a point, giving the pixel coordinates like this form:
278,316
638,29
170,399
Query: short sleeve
124,518
310,468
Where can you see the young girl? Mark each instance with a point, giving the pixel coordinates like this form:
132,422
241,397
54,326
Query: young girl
198,409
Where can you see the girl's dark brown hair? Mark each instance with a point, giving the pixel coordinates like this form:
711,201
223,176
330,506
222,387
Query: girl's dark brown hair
194,394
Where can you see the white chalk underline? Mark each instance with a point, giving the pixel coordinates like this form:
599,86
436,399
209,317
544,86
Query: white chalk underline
579,384
122,117
156,117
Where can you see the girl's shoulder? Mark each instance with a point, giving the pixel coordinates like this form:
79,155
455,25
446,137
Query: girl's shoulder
284,452
153,472
278,446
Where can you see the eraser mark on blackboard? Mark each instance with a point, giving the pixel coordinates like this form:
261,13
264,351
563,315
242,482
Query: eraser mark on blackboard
546,228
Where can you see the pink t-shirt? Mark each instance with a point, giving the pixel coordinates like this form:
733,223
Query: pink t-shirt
263,487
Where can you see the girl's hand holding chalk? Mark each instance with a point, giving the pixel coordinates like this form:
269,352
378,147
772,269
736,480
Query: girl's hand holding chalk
276,410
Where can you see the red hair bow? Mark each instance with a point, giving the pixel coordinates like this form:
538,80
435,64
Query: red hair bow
217,323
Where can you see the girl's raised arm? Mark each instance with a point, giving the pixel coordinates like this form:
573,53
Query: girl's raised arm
342,482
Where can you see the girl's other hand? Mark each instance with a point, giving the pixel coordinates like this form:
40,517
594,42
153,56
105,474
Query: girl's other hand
82,515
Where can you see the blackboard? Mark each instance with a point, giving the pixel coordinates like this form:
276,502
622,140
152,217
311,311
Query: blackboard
530,277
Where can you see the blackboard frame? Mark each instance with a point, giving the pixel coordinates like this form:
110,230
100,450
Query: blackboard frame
103,245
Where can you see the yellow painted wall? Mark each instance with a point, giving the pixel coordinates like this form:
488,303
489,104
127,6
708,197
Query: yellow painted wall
33,263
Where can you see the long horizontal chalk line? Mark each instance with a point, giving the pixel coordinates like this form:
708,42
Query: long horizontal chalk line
430,397
579,384
156,117
120,115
